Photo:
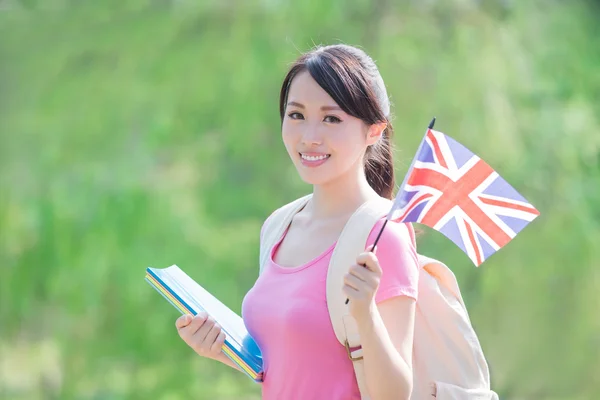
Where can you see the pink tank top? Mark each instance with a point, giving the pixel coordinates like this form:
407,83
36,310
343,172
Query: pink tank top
286,313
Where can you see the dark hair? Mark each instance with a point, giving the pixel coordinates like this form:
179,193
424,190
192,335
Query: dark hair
352,79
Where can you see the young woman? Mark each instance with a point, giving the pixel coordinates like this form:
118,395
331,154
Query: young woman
336,128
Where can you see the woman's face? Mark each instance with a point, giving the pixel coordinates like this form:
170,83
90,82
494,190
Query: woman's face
323,141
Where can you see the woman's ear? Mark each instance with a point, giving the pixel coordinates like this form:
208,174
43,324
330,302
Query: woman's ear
375,132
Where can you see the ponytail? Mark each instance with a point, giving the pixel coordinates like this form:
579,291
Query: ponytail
379,164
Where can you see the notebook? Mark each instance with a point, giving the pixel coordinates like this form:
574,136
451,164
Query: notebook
189,298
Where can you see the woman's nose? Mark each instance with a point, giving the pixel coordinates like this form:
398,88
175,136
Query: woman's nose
312,137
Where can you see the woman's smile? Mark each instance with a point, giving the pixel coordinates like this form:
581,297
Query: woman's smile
313,159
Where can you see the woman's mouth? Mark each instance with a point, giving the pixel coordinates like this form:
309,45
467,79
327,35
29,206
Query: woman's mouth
313,159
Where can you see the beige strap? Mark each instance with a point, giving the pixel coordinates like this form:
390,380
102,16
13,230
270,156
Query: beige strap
277,224
351,243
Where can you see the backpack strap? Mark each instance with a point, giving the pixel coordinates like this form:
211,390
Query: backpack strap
351,243
276,224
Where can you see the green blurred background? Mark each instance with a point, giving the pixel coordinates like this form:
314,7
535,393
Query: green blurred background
141,133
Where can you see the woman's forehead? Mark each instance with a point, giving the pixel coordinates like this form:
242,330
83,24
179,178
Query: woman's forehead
305,91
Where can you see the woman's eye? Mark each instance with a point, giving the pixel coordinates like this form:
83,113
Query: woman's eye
332,119
295,115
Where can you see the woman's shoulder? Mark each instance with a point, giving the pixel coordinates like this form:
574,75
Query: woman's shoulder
266,223
273,216
396,244
394,233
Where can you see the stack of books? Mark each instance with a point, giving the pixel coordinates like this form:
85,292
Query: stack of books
189,297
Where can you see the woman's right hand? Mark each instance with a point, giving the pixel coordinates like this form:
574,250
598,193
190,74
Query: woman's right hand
201,333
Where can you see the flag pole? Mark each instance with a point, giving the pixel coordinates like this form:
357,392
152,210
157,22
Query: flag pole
431,124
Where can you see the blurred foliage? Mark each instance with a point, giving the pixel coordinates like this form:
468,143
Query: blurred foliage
139,133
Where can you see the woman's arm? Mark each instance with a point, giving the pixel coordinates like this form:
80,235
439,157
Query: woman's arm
386,339
383,290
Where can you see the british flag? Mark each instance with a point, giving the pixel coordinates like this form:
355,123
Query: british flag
453,191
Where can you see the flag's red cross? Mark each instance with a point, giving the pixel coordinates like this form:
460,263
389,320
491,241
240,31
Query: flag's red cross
456,193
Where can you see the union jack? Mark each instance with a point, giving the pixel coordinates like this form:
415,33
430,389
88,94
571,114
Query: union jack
453,191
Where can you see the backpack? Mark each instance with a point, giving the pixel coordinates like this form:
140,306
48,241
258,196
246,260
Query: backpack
448,362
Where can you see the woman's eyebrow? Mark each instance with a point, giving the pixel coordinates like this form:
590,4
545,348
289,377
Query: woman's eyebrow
331,108
294,104
324,108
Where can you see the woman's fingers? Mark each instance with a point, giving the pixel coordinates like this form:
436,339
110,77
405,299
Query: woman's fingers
218,342
354,281
196,323
201,334
212,334
360,271
370,261
183,321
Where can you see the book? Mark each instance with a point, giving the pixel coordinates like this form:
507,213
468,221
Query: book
189,297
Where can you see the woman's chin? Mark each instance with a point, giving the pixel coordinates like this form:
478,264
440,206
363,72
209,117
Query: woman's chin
313,179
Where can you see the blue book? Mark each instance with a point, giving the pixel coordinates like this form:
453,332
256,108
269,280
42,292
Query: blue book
190,298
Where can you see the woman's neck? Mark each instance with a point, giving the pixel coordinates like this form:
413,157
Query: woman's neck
340,198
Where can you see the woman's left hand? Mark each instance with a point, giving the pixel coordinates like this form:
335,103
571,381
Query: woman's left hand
361,284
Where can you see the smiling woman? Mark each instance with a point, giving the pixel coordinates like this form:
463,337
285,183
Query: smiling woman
316,132
336,129
336,92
